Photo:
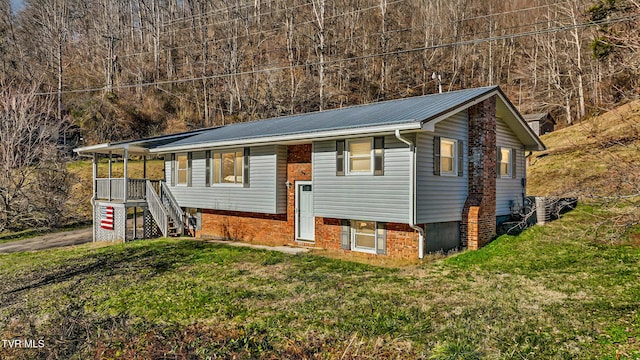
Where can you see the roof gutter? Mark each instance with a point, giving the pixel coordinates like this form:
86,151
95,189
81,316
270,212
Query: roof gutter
412,192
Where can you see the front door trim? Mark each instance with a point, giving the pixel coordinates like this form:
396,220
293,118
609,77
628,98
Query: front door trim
297,210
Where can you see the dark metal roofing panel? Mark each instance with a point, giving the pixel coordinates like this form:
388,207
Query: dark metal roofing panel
534,117
401,111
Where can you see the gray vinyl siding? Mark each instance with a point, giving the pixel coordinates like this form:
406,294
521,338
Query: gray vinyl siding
261,195
509,189
441,198
362,197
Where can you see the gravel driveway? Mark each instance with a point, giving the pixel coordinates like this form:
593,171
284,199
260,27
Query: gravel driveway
58,239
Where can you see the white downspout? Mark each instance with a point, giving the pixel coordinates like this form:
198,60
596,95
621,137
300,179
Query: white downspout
412,193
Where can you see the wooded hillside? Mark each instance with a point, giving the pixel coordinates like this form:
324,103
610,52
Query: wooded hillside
133,68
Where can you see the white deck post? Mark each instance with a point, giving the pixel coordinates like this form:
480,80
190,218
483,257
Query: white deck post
110,171
94,166
126,175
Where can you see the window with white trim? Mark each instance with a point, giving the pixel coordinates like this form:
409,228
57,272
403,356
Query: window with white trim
448,157
360,159
360,156
182,169
228,167
368,236
505,164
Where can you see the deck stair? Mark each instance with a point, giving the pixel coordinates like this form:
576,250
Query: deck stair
164,209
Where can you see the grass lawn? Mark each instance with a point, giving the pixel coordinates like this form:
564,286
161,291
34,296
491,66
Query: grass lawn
554,292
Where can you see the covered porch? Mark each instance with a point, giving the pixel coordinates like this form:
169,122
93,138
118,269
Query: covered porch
121,202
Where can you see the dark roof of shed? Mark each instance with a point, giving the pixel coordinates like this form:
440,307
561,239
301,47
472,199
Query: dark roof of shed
391,112
538,117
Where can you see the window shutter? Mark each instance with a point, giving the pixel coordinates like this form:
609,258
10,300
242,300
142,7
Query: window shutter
460,158
189,165
207,168
514,162
378,156
436,155
381,235
498,159
340,158
345,236
245,167
173,169
199,219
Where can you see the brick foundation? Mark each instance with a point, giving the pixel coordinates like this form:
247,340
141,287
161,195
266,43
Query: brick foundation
478,225
402,241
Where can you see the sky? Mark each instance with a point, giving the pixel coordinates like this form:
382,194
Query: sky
17,5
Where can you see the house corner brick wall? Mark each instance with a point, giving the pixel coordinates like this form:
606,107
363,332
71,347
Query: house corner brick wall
478,224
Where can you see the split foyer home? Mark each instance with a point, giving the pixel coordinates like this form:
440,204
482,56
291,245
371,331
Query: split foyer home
395,178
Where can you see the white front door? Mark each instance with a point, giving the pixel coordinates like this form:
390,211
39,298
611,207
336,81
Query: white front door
305,221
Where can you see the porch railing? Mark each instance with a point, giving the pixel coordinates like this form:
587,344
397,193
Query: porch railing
113,189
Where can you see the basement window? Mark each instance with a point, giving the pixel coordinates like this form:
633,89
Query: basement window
368,236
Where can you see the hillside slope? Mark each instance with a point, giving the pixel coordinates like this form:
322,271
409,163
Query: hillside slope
599,157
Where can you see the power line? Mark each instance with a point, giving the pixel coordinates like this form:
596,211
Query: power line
363,57
275,30
411,29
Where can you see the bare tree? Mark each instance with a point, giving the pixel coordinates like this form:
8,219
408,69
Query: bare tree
33,177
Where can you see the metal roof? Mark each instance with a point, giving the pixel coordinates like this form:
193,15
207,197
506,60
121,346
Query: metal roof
141,146
421,112
392,112
534,117
538,117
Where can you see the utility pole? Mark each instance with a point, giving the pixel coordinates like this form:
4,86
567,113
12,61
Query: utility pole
111,70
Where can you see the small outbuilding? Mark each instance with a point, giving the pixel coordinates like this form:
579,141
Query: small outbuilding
541,123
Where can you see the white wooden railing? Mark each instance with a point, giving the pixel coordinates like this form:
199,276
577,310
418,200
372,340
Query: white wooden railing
163,206
113,189
157,209
173,209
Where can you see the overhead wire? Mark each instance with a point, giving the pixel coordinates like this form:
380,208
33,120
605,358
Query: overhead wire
362,57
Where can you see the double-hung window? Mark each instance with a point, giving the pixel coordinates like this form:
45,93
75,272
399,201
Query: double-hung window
182,169
363,156
505,162
360,158
368,236
227,167
448,157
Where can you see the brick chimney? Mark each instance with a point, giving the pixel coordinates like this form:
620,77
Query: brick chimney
479,214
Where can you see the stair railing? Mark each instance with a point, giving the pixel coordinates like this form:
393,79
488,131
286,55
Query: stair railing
157,209
173,209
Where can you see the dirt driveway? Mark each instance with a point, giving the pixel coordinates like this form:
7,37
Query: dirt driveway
58,239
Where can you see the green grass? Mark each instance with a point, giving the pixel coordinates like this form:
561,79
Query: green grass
553,292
